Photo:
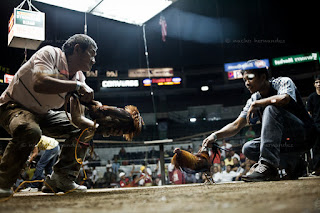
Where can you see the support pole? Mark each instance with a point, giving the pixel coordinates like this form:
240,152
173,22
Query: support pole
162,168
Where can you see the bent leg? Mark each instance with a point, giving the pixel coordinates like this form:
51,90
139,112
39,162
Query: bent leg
251,149
281,132
57,125
25,133
44,161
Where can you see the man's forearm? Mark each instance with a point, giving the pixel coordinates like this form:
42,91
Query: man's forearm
49,85
231,129
277,100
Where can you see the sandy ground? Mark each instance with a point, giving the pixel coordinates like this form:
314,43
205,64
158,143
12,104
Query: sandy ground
301,195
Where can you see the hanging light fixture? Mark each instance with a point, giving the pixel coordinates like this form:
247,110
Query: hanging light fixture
129,11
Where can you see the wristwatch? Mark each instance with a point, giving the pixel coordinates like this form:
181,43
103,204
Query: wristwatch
78,86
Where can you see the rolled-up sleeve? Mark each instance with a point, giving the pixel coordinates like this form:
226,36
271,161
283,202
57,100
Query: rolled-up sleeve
285,86
44,60
254,97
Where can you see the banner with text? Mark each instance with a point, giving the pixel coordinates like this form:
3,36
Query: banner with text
153,72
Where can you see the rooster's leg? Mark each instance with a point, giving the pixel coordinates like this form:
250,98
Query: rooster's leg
209,179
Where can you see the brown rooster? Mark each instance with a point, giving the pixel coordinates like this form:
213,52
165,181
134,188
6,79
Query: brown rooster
110,118
191,163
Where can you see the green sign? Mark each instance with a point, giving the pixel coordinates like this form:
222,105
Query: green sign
294,59
30,18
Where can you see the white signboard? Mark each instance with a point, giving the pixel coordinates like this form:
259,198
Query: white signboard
153,72
26,29
120,83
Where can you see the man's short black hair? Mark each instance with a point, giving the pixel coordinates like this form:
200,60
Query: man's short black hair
83,40
316,77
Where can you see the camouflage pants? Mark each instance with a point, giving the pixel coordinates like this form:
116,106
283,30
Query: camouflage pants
26,129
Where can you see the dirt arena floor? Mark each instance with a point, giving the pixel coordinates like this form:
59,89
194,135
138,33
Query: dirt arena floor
301,195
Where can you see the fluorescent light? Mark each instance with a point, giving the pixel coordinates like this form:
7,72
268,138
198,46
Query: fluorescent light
77,5
204,88
192,120
130,11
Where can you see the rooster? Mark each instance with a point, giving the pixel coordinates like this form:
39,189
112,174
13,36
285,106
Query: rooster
128,120
194,163
191,163
110,118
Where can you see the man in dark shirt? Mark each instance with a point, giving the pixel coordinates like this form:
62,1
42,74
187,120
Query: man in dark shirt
313,107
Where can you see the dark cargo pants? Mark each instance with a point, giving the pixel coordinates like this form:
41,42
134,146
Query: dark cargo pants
26,129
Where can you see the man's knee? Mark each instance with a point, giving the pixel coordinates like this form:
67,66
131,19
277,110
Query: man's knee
271,110
246,148
27,134
251,151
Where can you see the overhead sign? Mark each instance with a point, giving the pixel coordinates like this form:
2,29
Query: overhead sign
26,29
162,81
4,69
7,78
236,74
294,59
245,65
234,69
112,73
120,83
153,72
92,74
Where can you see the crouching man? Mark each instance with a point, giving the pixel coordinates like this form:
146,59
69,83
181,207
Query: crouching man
26,111
286,131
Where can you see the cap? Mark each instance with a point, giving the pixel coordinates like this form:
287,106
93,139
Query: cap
122,174
142,168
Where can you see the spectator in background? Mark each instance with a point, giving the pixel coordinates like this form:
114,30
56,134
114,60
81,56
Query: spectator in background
115,165
250,134
190,178
237,166
242,157
313,107
234,154
124,181
146,176
47,160
123,154
198,177
94,176
223,166
228,160
109,176
225,146
157,172
228,175
135,181
170,172
177,177
216,175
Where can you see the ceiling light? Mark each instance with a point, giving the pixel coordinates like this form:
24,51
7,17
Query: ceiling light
130,11
192,120
204,88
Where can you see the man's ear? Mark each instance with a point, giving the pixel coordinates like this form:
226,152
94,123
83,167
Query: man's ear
76,49
263,77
